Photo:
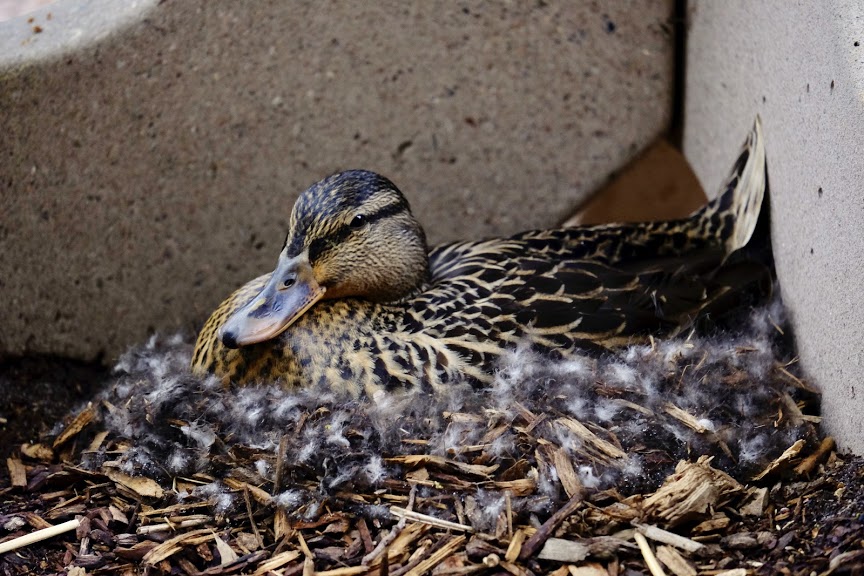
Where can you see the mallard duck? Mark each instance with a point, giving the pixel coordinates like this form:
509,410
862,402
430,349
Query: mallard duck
359,304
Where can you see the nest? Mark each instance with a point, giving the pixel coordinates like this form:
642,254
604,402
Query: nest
588,466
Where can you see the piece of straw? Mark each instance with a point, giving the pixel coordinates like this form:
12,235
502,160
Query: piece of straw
38,536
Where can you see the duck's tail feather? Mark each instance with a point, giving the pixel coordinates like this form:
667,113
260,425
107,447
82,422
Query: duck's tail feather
734,214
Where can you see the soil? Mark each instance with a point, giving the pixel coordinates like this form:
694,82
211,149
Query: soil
35,394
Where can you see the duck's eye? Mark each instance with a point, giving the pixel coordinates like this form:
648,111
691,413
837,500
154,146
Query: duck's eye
358,221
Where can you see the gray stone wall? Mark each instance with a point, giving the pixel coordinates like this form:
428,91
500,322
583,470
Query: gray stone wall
151,151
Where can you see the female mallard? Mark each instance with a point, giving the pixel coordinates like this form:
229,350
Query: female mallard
358,303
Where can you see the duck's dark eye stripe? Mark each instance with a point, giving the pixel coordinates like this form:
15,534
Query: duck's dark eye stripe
387,211
321,245
390,210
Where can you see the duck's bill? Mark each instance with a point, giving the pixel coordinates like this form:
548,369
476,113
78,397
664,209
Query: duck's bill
290,292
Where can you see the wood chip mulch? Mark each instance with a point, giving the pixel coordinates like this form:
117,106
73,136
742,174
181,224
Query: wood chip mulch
804,514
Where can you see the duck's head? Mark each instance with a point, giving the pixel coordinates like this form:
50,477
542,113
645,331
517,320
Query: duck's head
351,234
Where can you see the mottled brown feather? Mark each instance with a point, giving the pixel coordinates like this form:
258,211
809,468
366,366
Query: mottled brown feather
561,291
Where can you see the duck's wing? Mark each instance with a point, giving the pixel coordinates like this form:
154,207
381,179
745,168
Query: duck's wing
608,285
610,306
584,306
726,223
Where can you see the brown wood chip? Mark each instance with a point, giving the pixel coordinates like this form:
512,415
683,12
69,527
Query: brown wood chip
17,472
675,562
718,522
417,460
808,464
562,550
277,561
590,569
227,555
81,420
691,493
140,485
260,496
782,460
755,503
39,452
584,434
174,545
685,418
566,474
437,557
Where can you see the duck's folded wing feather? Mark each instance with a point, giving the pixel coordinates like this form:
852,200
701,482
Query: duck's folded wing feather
589,302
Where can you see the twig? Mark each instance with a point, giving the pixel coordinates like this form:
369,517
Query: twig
280,464
648,555
666,537
194,520
431,520
436,558
545,531
381,548
509,504
368,545
303,546
420,557
134,518
39,535
251,519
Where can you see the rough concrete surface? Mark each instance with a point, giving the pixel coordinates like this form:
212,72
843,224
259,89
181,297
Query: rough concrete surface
801,66
149,168
11,8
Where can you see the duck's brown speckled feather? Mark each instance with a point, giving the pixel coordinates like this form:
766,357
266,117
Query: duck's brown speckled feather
559,290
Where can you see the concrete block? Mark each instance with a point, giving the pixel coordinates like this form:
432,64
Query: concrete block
152,150
801,66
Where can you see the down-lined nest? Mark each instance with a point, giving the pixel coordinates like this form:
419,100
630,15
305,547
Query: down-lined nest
622,420
192,476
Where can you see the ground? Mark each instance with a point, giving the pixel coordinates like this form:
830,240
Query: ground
35,394
811,525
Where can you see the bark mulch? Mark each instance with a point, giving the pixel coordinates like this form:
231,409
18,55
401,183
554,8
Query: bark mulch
802,514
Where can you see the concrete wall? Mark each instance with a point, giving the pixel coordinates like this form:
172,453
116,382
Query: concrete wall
151,151
801,66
